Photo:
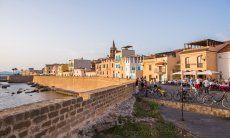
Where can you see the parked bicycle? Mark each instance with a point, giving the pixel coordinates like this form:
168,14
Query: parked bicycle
214,98
158,93
191,94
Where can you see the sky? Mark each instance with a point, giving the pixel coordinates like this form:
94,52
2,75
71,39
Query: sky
38,32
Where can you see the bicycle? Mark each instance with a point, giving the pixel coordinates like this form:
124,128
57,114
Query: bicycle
160,93
212,98
186,94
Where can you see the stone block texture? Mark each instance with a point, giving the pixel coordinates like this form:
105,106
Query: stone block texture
60,117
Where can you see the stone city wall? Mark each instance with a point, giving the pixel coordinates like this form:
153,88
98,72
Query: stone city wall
60,117
78,84
19,79
197,108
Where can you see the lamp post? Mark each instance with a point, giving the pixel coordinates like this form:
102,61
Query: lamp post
182,103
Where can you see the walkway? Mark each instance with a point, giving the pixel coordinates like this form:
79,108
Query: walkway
200,125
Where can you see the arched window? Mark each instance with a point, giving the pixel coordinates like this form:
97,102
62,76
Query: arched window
187,65
199,62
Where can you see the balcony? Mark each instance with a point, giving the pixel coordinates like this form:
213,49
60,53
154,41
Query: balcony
187,65
160,70
200,65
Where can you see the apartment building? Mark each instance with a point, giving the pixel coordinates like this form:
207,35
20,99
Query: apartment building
78,64
200,56
133,67
120,56
63,69
161,66
51,69
106,68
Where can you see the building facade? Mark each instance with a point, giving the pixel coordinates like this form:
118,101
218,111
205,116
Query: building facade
223,61
120,60
63,69
78,64
31,72
161,66
105,68
51,69
134,67
200,56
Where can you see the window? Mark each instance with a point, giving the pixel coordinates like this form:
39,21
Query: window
150,77
199,62
150,67
187,65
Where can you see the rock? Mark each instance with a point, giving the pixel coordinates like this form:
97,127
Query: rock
106,120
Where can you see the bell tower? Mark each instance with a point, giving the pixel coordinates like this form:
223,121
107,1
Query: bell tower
113,50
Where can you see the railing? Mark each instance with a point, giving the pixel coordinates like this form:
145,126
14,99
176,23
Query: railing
187,65
162,71
200,65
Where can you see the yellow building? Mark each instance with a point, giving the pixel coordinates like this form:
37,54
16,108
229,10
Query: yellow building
161,66
62,69
199,56
51,69
105,68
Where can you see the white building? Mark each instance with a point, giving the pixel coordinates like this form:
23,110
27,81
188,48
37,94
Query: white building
126,51
223,61
90,73
79,64
79,72
134,67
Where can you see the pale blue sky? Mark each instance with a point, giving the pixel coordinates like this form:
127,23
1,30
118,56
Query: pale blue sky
36,32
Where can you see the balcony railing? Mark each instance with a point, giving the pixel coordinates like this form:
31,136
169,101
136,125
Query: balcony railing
160,71
200,65
187,65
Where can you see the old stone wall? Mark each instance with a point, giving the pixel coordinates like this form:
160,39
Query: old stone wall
78,84
19,79
197,108
60,117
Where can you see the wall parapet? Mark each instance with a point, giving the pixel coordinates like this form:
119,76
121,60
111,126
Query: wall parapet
218,112
60,117
79,84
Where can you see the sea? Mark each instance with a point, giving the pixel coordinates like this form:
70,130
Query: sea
10,99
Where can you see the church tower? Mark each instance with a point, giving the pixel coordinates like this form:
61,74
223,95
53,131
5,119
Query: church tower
113,50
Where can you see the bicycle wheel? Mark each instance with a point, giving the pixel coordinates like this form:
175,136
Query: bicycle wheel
157,95
226,102
208,100
199,98
168,96
190,97
177,96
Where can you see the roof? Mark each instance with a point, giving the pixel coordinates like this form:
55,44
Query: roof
205,42
127,47
219,47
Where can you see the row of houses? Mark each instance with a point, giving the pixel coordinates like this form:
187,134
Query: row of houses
196,59
75,67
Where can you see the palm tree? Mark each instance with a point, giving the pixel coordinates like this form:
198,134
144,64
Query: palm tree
14,69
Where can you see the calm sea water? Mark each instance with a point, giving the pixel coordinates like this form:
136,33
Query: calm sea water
9,100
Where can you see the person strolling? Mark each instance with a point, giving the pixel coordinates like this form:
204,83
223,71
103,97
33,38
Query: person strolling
206,84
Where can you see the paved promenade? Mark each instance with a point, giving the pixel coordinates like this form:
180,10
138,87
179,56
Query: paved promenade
200,125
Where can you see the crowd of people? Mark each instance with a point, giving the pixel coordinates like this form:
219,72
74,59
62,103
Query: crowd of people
205,84
199,84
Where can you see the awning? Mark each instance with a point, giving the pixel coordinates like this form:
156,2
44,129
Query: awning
190,73
208,72
160,63
178,73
